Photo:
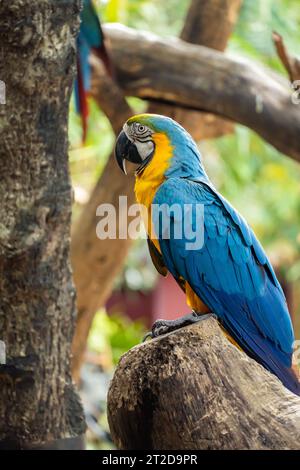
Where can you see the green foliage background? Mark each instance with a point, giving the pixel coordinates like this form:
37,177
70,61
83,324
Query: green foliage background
263,184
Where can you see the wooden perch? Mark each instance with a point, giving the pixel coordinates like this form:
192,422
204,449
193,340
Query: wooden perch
192,389
200,78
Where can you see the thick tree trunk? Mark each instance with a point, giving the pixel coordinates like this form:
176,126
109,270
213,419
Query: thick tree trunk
203,79
192,389
38,403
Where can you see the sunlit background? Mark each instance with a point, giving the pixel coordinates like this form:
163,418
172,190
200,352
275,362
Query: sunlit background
260,182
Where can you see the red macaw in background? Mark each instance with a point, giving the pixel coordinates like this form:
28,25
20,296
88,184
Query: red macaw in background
90,38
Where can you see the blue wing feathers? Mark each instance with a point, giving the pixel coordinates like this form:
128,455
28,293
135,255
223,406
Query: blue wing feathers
233,276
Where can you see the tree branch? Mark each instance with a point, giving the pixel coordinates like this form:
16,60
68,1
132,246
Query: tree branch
208,23
203,79
192,389
290,63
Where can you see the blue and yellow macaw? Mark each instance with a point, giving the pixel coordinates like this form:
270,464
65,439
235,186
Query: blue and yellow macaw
229,274
90,38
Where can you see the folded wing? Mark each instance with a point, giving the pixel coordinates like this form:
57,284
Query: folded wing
230,272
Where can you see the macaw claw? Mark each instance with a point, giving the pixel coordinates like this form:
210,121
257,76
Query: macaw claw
162,327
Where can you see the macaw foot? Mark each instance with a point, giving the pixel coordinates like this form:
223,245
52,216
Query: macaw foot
161,327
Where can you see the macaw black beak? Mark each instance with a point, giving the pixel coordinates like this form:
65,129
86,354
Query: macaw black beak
126,150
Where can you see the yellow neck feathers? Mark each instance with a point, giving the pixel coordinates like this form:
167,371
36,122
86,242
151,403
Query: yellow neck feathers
152,177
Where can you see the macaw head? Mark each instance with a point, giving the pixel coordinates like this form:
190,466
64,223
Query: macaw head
158,144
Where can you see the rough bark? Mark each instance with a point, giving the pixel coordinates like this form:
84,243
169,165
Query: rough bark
203,79
38,403
208,23
192,389
97,262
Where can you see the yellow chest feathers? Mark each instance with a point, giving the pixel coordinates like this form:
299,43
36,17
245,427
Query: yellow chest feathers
152,177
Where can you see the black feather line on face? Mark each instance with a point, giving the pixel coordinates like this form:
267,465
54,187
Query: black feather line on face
141,168
133,133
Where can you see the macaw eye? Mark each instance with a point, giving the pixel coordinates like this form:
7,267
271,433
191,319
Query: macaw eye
141,128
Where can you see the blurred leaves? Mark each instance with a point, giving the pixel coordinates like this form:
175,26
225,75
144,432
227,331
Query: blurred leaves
152,15
138,273
114,335
257,20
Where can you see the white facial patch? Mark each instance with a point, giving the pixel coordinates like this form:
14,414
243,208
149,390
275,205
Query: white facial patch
144,148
